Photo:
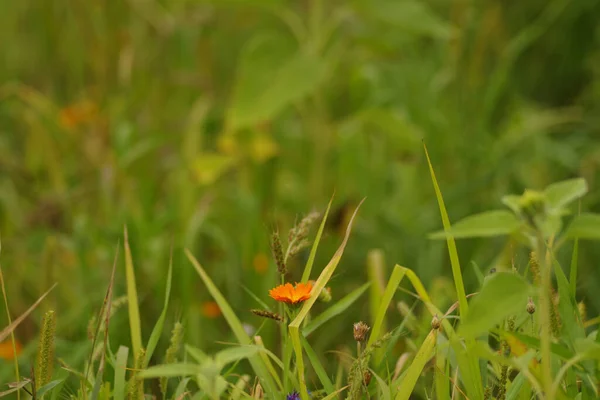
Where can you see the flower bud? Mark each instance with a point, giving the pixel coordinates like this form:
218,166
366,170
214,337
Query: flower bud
360,331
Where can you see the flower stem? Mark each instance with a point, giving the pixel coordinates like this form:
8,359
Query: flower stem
545,316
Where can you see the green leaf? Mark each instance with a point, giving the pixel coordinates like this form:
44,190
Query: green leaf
160,323
585,226
237,353
132,300
388,294
335,310
196,354
120,372
502,295
269,80
489,223
410,16
170,371
48,387
560,194
415,370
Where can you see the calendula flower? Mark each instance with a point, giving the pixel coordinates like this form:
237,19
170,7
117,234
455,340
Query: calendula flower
210,309
6,349
290,294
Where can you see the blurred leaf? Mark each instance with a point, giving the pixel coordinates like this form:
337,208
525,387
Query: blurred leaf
585,226
485,224
120,370
317,366
560,194
207,167
48,387
336,309
392,286
267,84
132,300
170,371
409,15
237,353
502,295
196,354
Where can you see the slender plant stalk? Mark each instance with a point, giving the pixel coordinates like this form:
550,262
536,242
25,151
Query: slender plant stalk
545,305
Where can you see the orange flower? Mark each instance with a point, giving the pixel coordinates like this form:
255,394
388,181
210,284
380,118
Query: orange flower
6,349
211,309
291,295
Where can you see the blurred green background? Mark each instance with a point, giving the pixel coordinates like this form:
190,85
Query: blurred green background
208,124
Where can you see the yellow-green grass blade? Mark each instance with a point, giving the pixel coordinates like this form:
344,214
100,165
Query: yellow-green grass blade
390,290
375,272
318,367
454,261
120,371
294,326
160,323
132,299
315,246
234,323
411,376
339,307
264,355
441,373
334,395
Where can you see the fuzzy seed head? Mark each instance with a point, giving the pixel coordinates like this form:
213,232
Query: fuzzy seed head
360,331
267,314
45,356
277,250
435,323
530,306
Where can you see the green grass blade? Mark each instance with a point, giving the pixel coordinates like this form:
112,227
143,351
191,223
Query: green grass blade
441,373
454,261
294,326
170,371
334,395
338,308
376,273
390,290
318,367
160,323
120,372
413,373
385,389
315,246
264,355
48,387
234,323
132,299
573,271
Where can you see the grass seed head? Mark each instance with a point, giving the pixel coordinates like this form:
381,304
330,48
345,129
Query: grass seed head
360,330
278,256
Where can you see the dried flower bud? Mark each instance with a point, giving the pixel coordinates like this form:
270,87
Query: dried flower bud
435,322
360,331
325,295
267,314
277,250
367,377
530,306
582,310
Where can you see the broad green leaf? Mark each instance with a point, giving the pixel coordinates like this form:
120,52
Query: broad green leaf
335,310
267,84
120,372
585,226
489,223
502,295
415,370
160,323
560,194
132,300
411,16
232,354
170,371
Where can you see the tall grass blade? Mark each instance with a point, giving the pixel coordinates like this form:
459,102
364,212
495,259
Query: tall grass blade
132,299
375,272
160,323
4,333
454,261
441,373
315,246
318,367
120,372
294,326
234,323
390,290
411,376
